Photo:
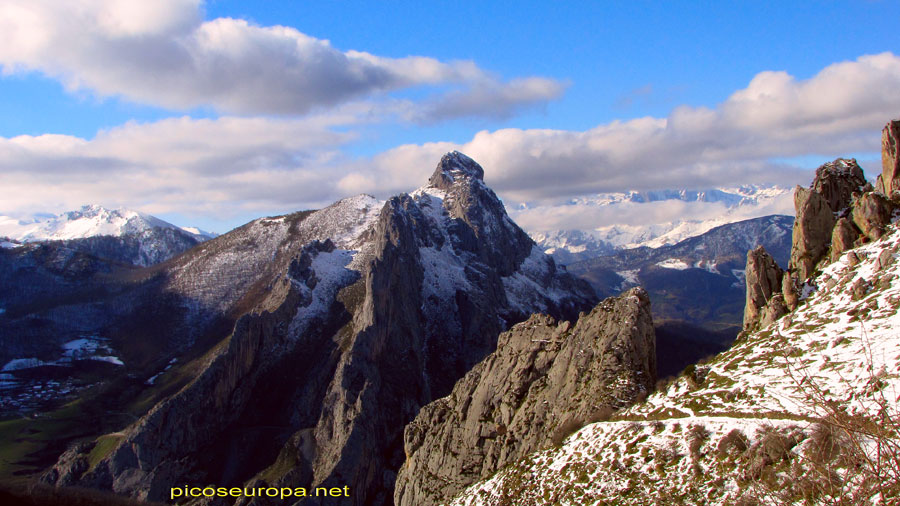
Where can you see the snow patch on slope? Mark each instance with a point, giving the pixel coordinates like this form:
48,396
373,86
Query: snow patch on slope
673,263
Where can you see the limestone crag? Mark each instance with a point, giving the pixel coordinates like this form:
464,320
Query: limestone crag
829,198
843,237
812,231
545,379
871,214
838,212
888,181
765,283
838,181
316,382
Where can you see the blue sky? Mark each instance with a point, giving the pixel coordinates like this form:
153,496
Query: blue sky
211,114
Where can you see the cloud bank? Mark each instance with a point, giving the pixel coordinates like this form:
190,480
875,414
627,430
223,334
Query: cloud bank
265,165
163,53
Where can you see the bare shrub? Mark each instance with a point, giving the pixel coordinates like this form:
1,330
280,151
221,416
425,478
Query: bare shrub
696,436
732,444
851,457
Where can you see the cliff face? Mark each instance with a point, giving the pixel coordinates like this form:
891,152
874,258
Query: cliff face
316,382
544,379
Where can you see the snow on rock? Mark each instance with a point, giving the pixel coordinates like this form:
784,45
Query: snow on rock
527,287
740,275
345,221
332,274
85,348
22,363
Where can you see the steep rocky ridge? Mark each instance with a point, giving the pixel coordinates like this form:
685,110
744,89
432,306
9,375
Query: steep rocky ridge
542,376
163,323
380,311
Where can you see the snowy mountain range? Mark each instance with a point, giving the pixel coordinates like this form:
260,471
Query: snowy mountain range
657,218
89,221
117,235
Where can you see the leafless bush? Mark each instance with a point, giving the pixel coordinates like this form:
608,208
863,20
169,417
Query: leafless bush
850,457
733,444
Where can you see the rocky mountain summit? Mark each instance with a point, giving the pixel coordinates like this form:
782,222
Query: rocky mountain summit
801,410
360,313
544,377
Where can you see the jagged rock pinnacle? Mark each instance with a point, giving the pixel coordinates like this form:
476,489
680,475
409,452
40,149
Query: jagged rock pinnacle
453,166
889,179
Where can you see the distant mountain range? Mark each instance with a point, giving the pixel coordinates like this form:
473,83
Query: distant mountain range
737,204
696,285
89,221
119,235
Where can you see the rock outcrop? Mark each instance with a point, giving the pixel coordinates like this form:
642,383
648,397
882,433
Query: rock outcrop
843,237
817,209
888,181
838,212
812,231
316,382
871,213
838,181
765,283
545,379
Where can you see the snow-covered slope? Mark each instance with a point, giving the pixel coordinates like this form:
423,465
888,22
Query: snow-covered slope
89,221
801,412
667,217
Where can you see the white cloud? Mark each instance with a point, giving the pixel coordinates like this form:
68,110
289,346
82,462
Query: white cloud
237,166
162,52
836,112
587,217
223,166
